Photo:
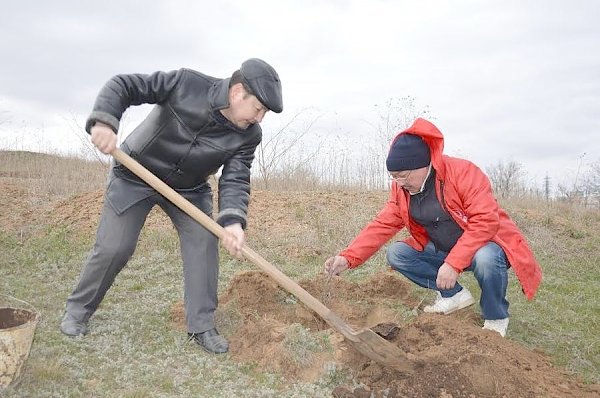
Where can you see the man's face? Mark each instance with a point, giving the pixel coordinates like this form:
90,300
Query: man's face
411,180
244,109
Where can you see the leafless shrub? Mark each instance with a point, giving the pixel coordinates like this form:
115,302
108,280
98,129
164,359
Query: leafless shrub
506,178
273,153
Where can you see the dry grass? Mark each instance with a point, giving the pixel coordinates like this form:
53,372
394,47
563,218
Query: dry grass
132,345
50,175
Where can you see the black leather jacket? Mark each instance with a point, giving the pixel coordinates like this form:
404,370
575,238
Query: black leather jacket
184,139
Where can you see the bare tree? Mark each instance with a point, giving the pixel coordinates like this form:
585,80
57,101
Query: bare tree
274,149
284,152
591,184
506,178
575,193
394,115
89,150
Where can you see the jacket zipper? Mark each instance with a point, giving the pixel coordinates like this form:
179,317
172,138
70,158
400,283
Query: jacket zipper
453,216
442,199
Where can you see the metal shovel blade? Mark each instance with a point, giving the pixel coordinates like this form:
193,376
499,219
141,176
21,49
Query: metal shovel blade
373,346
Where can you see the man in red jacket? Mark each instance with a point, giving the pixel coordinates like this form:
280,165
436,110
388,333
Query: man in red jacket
455,225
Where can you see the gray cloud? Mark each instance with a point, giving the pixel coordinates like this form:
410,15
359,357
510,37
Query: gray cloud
516,79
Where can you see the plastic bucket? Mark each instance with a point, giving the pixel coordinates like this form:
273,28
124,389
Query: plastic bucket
17,327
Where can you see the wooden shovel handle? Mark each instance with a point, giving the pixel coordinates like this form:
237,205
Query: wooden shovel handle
208,223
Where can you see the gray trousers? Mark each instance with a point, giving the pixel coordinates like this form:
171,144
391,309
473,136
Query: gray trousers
116,240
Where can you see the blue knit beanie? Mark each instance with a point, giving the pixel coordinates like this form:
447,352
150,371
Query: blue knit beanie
408,152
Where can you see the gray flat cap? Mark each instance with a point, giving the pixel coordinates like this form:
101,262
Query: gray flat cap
264,83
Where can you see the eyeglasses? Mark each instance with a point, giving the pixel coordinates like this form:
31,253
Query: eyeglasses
401,179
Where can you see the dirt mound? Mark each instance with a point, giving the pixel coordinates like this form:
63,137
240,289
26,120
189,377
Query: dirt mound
271,213
24,211
82,212
271,330
16,210
79,211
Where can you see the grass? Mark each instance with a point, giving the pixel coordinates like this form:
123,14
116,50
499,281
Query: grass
132,351
301,345
50,174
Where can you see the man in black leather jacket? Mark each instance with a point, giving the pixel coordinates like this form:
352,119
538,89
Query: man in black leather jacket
198,124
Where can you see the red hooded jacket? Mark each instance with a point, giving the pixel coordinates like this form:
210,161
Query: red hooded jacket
466,194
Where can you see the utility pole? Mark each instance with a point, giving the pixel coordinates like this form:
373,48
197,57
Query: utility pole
547,187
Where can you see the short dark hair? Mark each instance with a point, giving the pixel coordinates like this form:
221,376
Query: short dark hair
236,78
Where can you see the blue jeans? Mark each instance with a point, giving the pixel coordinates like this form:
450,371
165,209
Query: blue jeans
489,267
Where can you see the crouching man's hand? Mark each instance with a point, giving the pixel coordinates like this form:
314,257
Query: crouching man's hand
234,240
336,265
446,277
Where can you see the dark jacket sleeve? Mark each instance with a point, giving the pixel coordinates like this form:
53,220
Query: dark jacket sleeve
123,91
234,185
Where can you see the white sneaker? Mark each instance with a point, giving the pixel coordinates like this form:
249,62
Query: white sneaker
447,305
497,325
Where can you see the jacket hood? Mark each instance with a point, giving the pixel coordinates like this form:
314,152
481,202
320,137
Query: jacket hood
433,137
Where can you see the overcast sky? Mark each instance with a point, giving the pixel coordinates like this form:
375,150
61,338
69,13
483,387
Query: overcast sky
504,80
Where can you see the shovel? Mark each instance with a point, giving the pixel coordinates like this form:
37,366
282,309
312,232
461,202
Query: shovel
365,341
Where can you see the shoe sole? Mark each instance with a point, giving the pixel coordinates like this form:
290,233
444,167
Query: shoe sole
83,329
462,305
73,335
213,352
207,350
494,330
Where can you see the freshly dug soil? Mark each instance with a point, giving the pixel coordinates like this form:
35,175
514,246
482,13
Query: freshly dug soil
454,356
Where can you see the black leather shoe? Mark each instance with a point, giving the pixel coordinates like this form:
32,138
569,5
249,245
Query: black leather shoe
210,341
73,327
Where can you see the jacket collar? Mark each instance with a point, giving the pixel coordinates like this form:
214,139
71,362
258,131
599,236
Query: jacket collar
218,95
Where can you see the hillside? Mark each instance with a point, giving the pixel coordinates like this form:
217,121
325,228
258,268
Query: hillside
50,212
